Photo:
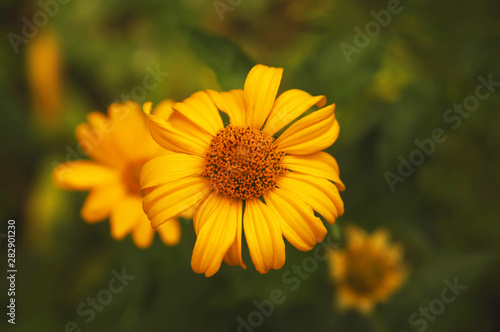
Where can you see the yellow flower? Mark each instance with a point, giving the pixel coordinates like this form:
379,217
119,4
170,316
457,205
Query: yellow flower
119,146
239,177
43,62
367,271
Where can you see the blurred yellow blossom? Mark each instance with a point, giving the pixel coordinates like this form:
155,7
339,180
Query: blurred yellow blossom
367,271
44,70
119,146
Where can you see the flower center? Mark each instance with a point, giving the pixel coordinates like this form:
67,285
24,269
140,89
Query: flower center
130,177
365,273
242,162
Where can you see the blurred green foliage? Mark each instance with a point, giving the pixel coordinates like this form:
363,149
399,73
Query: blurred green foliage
394,91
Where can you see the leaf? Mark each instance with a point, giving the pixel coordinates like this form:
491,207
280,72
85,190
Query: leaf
226,59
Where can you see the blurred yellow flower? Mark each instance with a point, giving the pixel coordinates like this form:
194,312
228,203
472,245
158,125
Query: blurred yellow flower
119,146
239,177
44,69
367,271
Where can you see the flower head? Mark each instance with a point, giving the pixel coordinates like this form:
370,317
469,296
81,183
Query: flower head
367,271
119,145
44,70
244,177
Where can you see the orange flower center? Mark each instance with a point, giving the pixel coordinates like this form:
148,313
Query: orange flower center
242,162
366,273
130,176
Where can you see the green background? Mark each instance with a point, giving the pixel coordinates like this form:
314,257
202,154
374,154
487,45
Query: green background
389,93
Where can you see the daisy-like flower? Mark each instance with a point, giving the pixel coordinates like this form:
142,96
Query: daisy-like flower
243,177
119,146
44,67
367,271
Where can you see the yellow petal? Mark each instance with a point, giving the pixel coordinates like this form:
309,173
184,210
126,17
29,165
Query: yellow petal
356,237
298,223
263,235
233,254
96,144
319,164
170,167
143,234
101,133
189,213
324,186
217,234
318,197
201,110
125,216
170,232
261,87
288,106
83,175
312,133
164,109
130,133
204,209
173,198
232,103
101,201
190,141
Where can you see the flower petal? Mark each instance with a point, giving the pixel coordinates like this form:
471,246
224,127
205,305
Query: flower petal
320,194
125,216
170,232
261,87
216,235
130,133
190,141
313,133
288,106
168,200
324,186
232,103
100,136
204,210
143,234
319,164
233,254
263,235
96,145
83,175
170,167
200,109
298,223
101,201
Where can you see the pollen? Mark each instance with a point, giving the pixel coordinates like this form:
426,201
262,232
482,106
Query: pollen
242,162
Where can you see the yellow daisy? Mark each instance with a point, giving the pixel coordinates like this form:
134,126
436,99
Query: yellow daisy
239,177
44,70
367,271
119,146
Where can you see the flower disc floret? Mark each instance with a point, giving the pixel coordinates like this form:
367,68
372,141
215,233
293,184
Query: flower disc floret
242,162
